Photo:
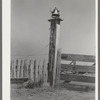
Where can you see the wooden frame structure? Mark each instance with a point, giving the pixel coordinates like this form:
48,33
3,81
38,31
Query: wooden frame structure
82,73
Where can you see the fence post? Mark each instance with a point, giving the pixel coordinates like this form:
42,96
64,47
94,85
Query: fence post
53,45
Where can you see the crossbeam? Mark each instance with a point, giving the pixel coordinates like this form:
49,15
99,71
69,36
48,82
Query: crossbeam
78,68
77,77
78,57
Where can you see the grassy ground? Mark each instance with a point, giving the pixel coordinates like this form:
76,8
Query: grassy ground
47,93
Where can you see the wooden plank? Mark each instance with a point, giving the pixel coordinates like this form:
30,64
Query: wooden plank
27,66
58,67
32,69
42,72
45,71
25,69
29,69
77,77
16,69
20,69
78,57
35,71
12,69
39,70
78,68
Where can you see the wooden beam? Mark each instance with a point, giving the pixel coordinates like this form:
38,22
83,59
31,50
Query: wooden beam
77,77
58,67
77,57
78,68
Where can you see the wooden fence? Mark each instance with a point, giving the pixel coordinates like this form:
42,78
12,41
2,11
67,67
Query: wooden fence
29,69
37,70
74,72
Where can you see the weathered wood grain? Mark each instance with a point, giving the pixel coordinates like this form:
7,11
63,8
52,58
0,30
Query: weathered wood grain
58,67
77,77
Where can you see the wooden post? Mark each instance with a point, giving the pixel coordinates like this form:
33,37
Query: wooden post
53,45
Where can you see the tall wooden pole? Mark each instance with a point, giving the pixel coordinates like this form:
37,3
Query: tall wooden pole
54,38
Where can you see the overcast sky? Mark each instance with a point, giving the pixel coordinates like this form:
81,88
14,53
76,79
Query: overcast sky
30,27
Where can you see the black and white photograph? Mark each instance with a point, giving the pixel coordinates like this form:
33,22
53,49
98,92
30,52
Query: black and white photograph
53,50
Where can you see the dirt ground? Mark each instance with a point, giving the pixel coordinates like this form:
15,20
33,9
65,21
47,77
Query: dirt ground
47,93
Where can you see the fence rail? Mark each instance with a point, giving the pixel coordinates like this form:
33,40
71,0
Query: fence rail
78,68
78,57
77,77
